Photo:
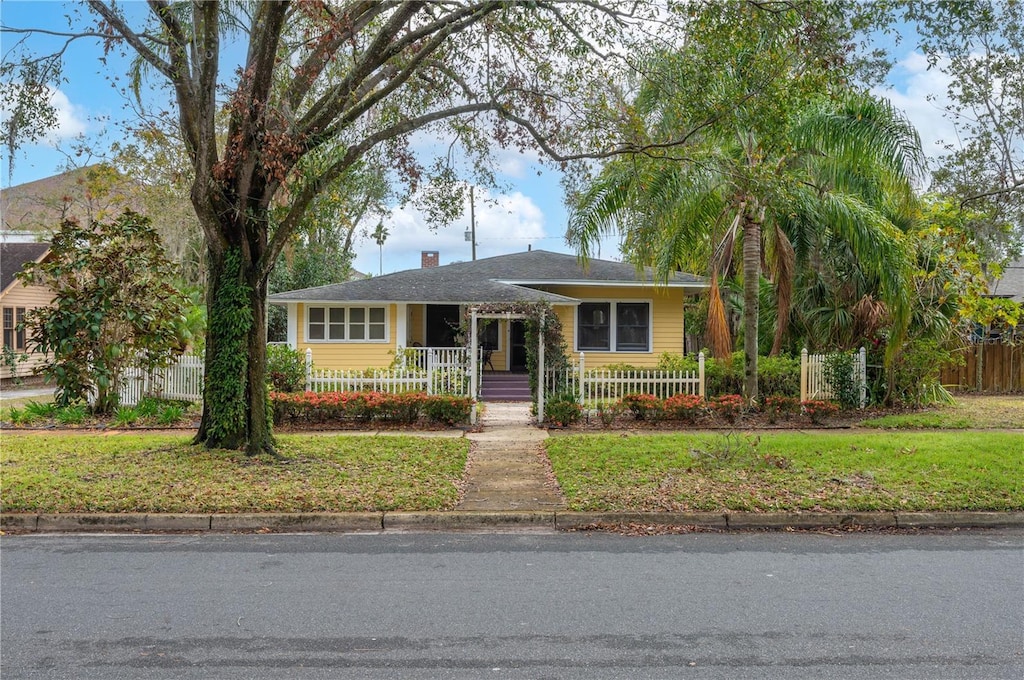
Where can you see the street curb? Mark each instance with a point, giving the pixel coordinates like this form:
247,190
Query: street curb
494,521
476,521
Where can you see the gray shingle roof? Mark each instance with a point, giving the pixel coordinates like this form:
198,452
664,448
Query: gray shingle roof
14,256
504,278
1012,282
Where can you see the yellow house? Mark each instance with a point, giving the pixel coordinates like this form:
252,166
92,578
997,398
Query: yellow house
609,310
16,299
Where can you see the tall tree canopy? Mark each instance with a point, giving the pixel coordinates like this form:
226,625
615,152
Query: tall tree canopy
781,157
322,85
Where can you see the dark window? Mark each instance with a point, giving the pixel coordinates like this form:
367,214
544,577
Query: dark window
594,327
19,328
378,323
317,316
632,327
9,327
336,325
488,337
14,328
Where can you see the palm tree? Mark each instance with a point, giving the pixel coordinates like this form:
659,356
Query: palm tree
835,167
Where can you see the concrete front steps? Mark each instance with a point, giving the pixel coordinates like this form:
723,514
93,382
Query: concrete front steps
495,386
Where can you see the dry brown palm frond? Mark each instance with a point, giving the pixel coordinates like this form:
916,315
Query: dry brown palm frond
719,339
869,315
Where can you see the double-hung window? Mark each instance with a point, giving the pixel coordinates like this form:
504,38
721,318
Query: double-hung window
346,324
613,327
14,332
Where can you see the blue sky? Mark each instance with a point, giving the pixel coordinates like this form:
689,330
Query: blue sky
529,213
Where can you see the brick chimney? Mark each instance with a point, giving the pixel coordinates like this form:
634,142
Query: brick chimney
429,258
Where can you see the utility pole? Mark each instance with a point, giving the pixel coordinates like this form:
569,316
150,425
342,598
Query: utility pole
472,221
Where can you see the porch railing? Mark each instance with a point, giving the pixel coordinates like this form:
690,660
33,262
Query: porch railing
432,370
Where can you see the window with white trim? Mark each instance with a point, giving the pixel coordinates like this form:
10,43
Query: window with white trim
14,331
613,327
346,324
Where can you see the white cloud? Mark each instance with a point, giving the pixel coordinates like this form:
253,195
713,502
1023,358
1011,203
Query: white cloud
71,119
922,94
505,223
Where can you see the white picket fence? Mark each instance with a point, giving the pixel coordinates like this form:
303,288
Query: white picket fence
813,384
599,385
425,369
445,371
181,380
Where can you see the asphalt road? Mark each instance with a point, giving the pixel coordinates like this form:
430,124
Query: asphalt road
513,606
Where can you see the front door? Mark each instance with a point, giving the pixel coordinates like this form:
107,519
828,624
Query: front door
517,346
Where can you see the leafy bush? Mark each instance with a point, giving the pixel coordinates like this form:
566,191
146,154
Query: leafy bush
562,409
70,415
35,410
724,376
644,406
818,410
608,413
170,414
401,408
365,407
915,373
727,406
286,368
669,361
838,372
148,407
448,410
18,416
685,407
778,375
125,416
779,405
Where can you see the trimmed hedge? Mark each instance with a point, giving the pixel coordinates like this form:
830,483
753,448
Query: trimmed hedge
347,408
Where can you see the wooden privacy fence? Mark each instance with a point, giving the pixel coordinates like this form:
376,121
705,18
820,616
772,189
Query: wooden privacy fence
181,380
813,382
987,367
598,385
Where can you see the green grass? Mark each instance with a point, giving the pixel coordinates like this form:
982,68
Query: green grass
95,473
921,471
969,412
919,421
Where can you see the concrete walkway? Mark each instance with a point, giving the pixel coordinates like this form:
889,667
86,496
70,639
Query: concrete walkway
507,468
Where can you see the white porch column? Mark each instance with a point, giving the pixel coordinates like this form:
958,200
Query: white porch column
472,364
540,371
293,325
401,326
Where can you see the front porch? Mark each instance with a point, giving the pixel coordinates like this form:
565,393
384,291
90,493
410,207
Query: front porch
434,328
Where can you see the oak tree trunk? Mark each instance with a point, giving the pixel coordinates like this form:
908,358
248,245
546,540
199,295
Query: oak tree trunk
235,407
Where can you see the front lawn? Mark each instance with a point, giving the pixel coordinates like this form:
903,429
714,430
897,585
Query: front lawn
827,471
161,473
971,411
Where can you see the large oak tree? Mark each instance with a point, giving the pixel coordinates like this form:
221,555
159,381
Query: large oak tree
311,88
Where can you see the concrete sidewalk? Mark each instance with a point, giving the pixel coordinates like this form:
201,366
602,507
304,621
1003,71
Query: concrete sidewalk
507,469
